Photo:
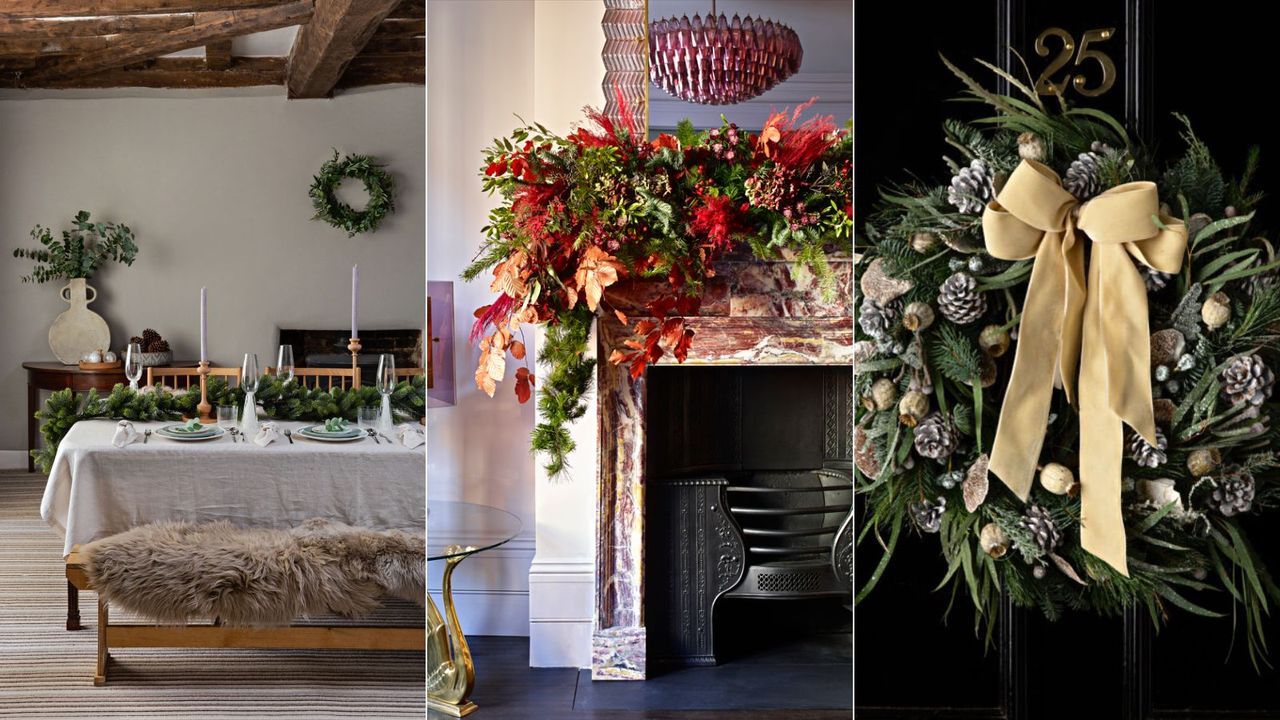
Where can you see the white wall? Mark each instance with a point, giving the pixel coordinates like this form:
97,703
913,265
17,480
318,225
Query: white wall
214,185
480,72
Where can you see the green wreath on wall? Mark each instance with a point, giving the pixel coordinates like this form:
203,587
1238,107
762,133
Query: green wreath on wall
377,182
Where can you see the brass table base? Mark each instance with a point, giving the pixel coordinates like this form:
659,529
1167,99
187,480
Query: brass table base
452,676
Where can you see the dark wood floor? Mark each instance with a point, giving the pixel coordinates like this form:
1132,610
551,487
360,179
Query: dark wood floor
508,689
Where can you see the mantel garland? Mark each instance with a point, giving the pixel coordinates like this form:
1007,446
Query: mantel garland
377,183
581,212
279,400
939,319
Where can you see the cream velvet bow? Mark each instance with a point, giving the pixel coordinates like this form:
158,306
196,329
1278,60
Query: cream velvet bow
1095,334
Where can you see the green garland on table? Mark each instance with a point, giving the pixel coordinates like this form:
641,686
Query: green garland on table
377,182
933,359
279,400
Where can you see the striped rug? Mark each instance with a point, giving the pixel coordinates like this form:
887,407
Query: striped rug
47,672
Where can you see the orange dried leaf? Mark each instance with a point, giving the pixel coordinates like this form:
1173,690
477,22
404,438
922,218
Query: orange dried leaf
621,318
617,357
517,350
597,271
479,313
508,275
523,389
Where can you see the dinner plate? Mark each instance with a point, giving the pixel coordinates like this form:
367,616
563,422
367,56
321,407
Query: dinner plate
309,434
174,429
217,432
319,431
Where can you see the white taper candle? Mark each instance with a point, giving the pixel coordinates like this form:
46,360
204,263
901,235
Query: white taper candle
355,298
204,325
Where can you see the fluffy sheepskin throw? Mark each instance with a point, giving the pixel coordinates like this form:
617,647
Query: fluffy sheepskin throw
175,572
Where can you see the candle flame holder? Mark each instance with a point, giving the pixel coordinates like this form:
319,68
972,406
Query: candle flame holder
204,409
354,346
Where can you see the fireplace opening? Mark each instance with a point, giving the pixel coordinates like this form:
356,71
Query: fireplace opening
748,479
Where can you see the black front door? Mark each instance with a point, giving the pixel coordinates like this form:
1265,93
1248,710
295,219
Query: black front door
1209,61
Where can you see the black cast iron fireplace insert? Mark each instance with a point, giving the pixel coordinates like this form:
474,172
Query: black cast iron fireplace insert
749,485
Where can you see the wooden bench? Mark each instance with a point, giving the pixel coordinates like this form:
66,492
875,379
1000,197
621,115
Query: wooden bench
215,635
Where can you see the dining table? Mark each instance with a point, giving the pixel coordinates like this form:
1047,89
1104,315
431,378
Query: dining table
96,489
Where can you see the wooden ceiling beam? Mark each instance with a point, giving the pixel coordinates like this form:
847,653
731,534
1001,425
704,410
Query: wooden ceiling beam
169,72
28,28
325,46
401,27
217,55
11,47
208,28
384,71
81,8
410,9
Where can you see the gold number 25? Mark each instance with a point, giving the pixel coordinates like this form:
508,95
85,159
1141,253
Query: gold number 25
1046,86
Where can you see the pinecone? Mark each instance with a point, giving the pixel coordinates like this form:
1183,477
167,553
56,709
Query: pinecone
1144,454
1234,492
1247,379
1084,176
959,299
150,335
1040,526
875,319
158,346
971,188
928,514
1154,279
135,340
936,436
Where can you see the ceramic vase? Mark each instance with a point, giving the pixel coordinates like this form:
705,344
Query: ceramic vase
78,330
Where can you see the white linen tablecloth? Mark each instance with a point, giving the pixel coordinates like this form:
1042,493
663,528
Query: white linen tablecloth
96,490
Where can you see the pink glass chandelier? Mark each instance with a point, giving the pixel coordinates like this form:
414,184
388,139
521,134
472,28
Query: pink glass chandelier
716,61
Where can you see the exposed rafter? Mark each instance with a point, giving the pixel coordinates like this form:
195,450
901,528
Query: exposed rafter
130,43
208,28
325,46
82,8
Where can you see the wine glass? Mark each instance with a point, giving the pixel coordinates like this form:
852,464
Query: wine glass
386,385
133,364
386,373
249,373
284,364
249,383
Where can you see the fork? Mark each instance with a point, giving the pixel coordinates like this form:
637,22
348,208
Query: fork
146,436
233,432
373,434
289,434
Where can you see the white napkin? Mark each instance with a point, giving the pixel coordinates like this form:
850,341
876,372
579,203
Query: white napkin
125,434
249,417
266,435
410,436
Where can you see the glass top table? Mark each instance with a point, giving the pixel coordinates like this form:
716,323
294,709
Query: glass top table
459,529
456,531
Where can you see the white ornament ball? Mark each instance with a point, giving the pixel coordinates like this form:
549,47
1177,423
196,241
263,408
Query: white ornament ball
94,357
1057,479
109,357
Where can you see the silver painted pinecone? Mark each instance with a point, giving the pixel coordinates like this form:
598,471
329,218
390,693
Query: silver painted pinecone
959,299
1247,379
1040,525
928,514
875,319
1084,176
1234,493
971,188
1144,454
936,436
1154,279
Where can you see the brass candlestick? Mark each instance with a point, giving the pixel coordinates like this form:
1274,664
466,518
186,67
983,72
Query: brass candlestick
204,408
354,347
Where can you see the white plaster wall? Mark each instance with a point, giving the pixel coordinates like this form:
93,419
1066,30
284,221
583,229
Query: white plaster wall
480,75
214,185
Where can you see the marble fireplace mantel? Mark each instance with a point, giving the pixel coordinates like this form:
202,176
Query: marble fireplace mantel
753,313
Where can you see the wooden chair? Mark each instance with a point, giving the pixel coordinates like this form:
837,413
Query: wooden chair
326,378
184,378
406,373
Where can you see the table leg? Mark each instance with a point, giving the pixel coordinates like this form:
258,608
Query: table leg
451,677
73,607
104,654
33,405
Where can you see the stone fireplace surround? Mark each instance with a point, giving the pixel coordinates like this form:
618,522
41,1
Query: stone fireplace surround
753,313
